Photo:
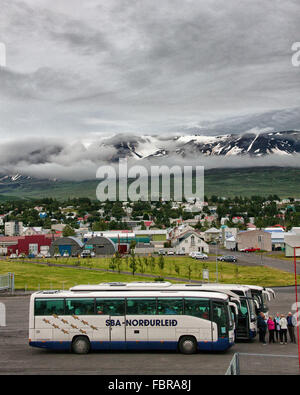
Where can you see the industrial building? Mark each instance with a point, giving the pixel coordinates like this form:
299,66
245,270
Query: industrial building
70,245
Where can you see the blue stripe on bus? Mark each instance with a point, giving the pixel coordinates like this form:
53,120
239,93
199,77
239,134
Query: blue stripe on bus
220,345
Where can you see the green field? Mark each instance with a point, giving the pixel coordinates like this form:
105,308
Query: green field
284,182
36,276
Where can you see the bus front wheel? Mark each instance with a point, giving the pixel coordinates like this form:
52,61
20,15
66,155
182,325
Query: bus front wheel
187,345
81,345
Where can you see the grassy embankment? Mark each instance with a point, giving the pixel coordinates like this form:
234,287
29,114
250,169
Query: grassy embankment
36,276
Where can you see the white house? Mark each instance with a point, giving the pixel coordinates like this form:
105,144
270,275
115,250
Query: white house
189,242
212,234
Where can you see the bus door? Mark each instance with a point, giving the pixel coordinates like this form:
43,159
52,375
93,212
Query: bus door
242,330
220,318
111,320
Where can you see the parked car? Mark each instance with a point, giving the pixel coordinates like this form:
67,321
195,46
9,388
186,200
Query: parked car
180,252
31,255
192,254
66,254
227,258
47,255
40,255
200,255
85,254
161,252
252,249
57,255
13,256
170,252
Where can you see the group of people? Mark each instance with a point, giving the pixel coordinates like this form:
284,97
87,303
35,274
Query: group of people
277,327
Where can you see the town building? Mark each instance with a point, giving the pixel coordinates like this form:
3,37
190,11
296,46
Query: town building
13,228
101,245
190,242
254,239
291,242
69,245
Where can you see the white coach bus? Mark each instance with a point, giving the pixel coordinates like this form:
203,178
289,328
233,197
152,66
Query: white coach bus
101,320
240,295
262,297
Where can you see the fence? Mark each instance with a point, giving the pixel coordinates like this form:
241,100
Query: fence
263,364
7,282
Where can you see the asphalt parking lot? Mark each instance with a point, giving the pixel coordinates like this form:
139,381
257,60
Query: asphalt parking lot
16,357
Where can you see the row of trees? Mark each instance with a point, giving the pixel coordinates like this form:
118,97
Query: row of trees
150,264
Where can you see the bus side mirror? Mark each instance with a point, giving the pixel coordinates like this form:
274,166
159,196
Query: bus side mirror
270,290
235,311
268,295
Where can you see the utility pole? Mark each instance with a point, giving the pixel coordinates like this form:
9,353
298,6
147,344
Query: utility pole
217,277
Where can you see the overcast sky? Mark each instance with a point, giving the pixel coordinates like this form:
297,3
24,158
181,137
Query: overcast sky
77,68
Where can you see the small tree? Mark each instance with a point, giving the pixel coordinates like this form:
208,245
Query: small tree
161,263
141,265
68,231
112,263
145,260
126,261
189,271
236,271
133,263
118,261
132,245
152,263
221,270
56,251
177,269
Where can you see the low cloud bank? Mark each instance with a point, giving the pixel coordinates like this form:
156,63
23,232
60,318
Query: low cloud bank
65,160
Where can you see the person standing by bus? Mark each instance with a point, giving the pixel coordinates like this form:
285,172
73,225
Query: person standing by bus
283,329
277,326
262,327
271,329
291,323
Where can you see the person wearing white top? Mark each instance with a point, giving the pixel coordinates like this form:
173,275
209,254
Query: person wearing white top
283,329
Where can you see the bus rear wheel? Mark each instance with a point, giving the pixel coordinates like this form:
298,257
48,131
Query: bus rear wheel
187,345
81,345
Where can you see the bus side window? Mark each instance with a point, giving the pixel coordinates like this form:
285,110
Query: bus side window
141,306
84,306
169,306
49,306
197,307
113,306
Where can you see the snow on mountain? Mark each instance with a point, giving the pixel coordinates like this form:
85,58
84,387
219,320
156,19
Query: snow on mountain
251,143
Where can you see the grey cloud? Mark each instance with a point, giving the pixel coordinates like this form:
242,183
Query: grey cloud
144,66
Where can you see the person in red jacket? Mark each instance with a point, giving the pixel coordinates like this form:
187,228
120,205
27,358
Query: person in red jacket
271,329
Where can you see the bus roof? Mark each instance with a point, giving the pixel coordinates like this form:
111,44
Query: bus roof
130,293
153,285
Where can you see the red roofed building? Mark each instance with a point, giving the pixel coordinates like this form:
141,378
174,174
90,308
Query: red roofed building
148,224
26,244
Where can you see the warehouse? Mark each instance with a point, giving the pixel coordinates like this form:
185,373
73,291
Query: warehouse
25,244
100,245
70,245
